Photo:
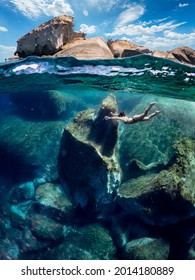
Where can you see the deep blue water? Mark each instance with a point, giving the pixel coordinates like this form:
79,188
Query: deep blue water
40,96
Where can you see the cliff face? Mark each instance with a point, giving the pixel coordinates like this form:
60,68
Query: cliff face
48,38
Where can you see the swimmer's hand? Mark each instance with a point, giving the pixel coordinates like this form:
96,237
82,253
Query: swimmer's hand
106,118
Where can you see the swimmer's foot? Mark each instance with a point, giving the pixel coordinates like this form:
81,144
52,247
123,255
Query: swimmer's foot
152,104
157,112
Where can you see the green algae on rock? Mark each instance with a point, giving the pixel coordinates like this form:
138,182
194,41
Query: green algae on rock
89,242
87,167
167,197
146,249
150,146
30,147
52,199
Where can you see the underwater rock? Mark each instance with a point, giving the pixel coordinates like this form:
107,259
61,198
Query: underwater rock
29,149
48,38
22,193
191,254
38,181
8,250
167,197
44,227
17,216
46,106
90,48
148,146
146,249
89,242
30,243
87,165
50,198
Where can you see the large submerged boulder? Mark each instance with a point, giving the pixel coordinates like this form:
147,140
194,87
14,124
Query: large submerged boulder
92,48
167,197
87,164
48,38
146,249
29,149
149,145
46,106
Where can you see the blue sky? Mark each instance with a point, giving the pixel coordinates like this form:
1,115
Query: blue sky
156,24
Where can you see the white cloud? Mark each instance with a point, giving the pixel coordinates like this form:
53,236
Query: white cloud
85,12
131,14
102,5
139,29
87,29
58,7
181,5
155,34
35,8
3,29
6,52
168,41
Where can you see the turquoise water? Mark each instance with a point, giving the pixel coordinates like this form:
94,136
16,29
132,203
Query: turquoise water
39,98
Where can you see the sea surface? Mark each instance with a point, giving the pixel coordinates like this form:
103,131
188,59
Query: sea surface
39,97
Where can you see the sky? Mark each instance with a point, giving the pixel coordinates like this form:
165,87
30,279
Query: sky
155,24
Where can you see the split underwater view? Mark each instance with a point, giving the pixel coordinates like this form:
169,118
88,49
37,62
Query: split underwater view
77,186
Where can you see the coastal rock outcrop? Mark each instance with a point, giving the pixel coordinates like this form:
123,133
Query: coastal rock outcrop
92,48
56,37
123,48
48,38
89,170
182,54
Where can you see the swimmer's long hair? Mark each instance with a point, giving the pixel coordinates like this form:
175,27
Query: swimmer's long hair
121,114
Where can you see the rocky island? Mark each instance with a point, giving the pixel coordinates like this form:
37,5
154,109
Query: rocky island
57,38
75,186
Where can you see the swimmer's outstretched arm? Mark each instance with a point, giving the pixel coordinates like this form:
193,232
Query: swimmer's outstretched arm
114,117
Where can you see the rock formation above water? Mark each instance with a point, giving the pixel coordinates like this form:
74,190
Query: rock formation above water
48,38
57,37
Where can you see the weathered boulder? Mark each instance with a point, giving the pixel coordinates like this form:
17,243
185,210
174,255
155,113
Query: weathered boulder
29,149
160,53
181,54
89,242
149,145
92,48
48,38
87,164
21,193
167,197
50,199
123,48
44,227
146,249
